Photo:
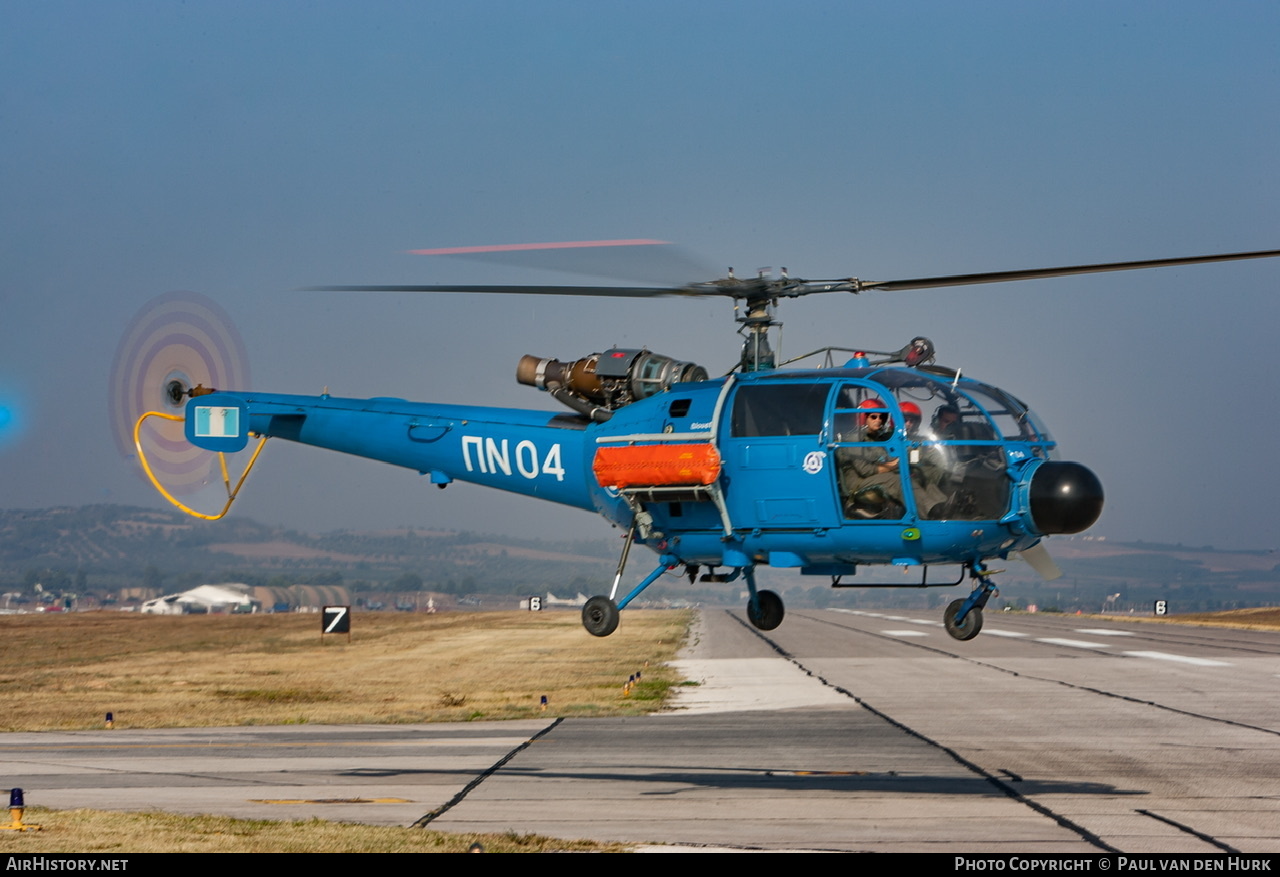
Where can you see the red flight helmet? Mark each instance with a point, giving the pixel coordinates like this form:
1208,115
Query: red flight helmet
877,405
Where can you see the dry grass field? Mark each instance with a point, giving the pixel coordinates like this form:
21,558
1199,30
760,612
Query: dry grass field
1264,618
1267,618
67,672
119,835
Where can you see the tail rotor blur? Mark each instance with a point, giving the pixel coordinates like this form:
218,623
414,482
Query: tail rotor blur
177,342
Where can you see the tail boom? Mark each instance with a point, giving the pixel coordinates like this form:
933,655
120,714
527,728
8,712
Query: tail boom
534,453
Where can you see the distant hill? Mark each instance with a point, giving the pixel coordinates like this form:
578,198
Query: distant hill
109,547
1188,578
102,549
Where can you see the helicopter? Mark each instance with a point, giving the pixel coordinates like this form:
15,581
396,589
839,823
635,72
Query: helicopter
828,471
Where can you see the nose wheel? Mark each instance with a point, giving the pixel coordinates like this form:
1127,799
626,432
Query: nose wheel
965,629
963,618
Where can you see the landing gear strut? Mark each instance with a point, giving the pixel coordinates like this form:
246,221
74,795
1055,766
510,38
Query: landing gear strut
600,613
764,608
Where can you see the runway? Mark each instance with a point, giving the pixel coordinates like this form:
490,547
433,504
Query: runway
840,730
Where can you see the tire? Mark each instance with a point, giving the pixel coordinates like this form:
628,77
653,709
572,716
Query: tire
600,616
971,627
765,612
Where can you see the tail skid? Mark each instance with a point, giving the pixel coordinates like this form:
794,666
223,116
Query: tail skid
232,493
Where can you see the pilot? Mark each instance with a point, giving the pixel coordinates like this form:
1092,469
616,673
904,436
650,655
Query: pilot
971,475
944,419
869,480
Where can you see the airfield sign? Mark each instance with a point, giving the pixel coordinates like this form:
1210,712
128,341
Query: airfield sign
335,619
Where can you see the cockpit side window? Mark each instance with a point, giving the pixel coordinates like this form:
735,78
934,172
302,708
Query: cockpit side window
867,454
779,409
853,404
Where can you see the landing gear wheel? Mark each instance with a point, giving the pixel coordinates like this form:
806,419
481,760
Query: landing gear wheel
600,616
971,627
765,611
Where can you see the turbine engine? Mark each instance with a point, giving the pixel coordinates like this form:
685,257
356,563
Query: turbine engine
601,383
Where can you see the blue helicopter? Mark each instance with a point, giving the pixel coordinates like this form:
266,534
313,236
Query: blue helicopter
832,471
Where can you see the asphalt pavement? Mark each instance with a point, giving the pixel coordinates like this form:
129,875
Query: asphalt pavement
840,730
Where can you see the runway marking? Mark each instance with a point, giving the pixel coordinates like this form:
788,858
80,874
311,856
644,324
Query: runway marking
1098,631
904,632
923,621
1072,643
1181,659
1009,633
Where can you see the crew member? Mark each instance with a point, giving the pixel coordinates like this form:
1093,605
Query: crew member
870,483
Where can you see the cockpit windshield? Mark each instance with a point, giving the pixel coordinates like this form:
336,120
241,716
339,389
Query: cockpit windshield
971,401
909,439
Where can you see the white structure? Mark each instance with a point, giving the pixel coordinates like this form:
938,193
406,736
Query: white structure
230,597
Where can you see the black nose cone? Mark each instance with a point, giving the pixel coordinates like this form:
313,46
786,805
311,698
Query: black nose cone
1065,498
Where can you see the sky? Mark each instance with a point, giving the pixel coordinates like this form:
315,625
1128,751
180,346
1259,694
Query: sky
246,150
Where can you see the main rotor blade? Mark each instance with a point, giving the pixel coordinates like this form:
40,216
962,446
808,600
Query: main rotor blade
1039,273
634,261
625,291
763,289
550,245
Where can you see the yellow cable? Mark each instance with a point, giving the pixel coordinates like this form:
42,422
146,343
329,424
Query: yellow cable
222,458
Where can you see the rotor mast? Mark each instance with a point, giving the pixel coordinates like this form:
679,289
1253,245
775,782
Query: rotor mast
754,301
